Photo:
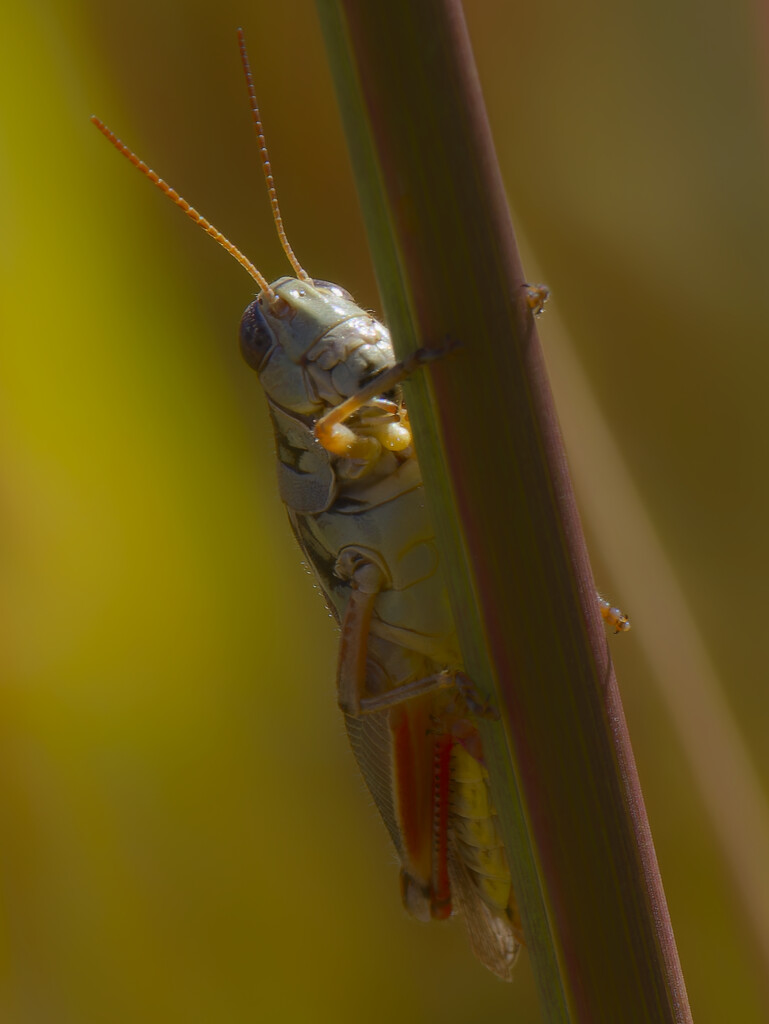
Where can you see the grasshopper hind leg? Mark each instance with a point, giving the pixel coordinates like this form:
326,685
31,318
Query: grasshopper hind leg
410,727
354,693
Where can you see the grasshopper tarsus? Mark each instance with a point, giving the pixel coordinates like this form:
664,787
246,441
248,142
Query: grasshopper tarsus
613,616
476,703
536,297
446,346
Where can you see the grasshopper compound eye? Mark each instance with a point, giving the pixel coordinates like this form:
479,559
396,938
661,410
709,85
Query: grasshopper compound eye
256,338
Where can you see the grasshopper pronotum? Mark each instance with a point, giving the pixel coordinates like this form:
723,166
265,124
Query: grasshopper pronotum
350,480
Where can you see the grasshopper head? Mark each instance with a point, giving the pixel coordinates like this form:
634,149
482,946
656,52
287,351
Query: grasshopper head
311,345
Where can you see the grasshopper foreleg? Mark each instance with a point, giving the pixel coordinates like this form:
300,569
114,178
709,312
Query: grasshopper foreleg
339,438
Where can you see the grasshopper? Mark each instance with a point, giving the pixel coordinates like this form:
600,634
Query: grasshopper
349,477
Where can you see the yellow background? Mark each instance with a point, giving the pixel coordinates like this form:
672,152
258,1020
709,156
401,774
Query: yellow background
183,835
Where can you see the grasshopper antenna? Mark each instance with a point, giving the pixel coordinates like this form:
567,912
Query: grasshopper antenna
191,212
266,166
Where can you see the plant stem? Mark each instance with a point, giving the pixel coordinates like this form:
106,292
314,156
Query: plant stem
562,769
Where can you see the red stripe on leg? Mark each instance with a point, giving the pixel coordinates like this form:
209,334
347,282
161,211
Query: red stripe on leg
413,779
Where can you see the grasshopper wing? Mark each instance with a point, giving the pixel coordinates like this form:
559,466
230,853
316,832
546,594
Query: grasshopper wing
492,933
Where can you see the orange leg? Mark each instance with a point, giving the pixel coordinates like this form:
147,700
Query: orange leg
340,439
536,296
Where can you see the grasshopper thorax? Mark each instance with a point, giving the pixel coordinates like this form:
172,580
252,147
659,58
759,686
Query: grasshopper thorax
311,345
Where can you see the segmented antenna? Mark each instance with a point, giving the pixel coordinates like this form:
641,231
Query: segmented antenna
266,166
191,212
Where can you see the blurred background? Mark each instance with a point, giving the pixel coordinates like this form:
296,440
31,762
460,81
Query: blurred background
185,836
